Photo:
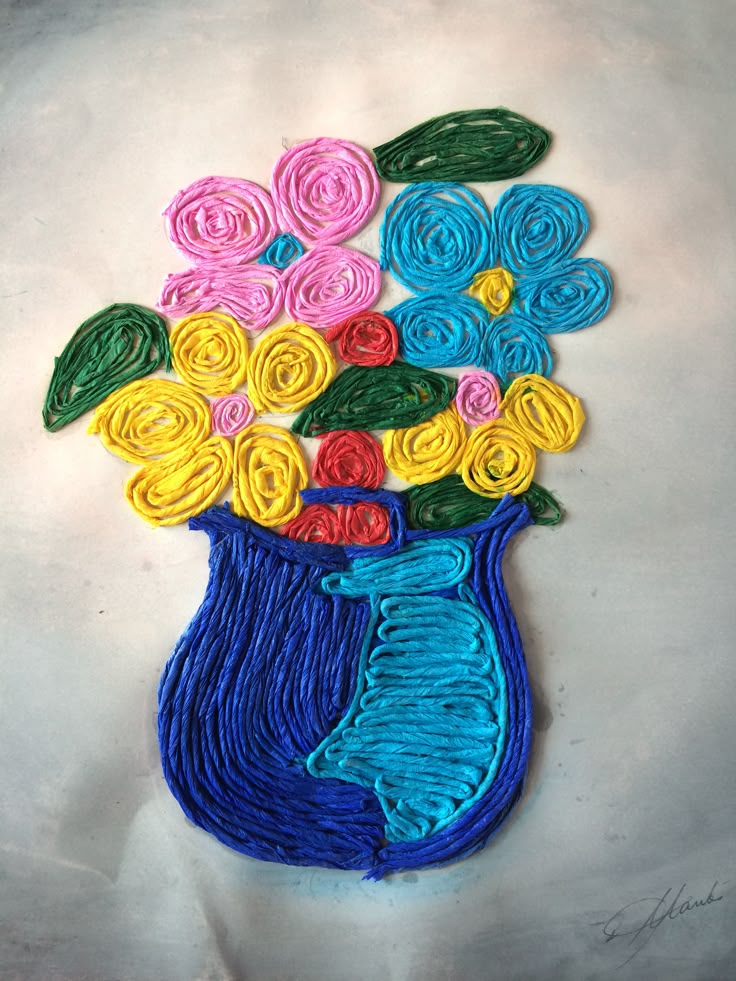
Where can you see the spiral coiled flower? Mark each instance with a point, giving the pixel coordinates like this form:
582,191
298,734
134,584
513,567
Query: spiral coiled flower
150,418
435,236
572,295
210,353
231,414
548,416
364,523
184,483
268,473
368,339
427,451
315,523
329,284
478,397
440,329
536,226
513,346
284,250
221,218
289,368
347,458
253,295
325,190
498,460
493,288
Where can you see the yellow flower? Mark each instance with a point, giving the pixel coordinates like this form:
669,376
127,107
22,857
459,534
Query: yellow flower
269,471
149,418
550,417
498,460
209,351
493,287
291,366
427,451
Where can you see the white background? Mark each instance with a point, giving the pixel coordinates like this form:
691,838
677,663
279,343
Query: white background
626,609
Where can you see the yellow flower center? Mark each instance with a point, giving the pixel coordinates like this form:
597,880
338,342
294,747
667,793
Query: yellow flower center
493,288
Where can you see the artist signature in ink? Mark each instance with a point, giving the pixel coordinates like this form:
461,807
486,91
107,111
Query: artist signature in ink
639,920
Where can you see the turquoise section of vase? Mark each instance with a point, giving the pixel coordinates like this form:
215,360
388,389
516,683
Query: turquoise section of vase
427,725
423,566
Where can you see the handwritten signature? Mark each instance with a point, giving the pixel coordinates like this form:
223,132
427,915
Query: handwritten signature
627,922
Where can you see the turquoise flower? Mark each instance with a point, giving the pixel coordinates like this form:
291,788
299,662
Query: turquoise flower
489,287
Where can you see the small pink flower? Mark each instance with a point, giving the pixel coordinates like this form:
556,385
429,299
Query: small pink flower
478,397
231,413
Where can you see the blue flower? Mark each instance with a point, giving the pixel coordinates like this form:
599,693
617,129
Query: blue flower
284,250
518,264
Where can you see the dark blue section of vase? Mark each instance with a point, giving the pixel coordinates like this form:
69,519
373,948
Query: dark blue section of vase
262,674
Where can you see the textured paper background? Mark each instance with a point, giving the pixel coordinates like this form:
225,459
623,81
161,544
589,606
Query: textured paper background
626,609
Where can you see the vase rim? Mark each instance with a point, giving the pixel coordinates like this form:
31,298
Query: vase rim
220,520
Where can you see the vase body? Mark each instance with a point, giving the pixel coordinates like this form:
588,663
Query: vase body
272,703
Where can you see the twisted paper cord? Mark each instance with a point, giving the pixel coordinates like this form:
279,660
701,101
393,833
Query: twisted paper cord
183,484
478,397
289,368
284,250
268,473
498,460
329,284
231,414
428,721
471,145
535,226
209,353
493,288
428,732
472,829
543,506
221,218
255,654
391,503
388,397
514,346
229,747
315,523
435,236
364,523
151,418
115,346
440,329
368,338
428,450
548,416
346,458
447,504
574,294
420,567
325,190
253,295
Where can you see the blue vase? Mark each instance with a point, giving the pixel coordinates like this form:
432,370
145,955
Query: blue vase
272,703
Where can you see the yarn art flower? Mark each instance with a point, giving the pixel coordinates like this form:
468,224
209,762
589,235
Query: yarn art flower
255,251
489,287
